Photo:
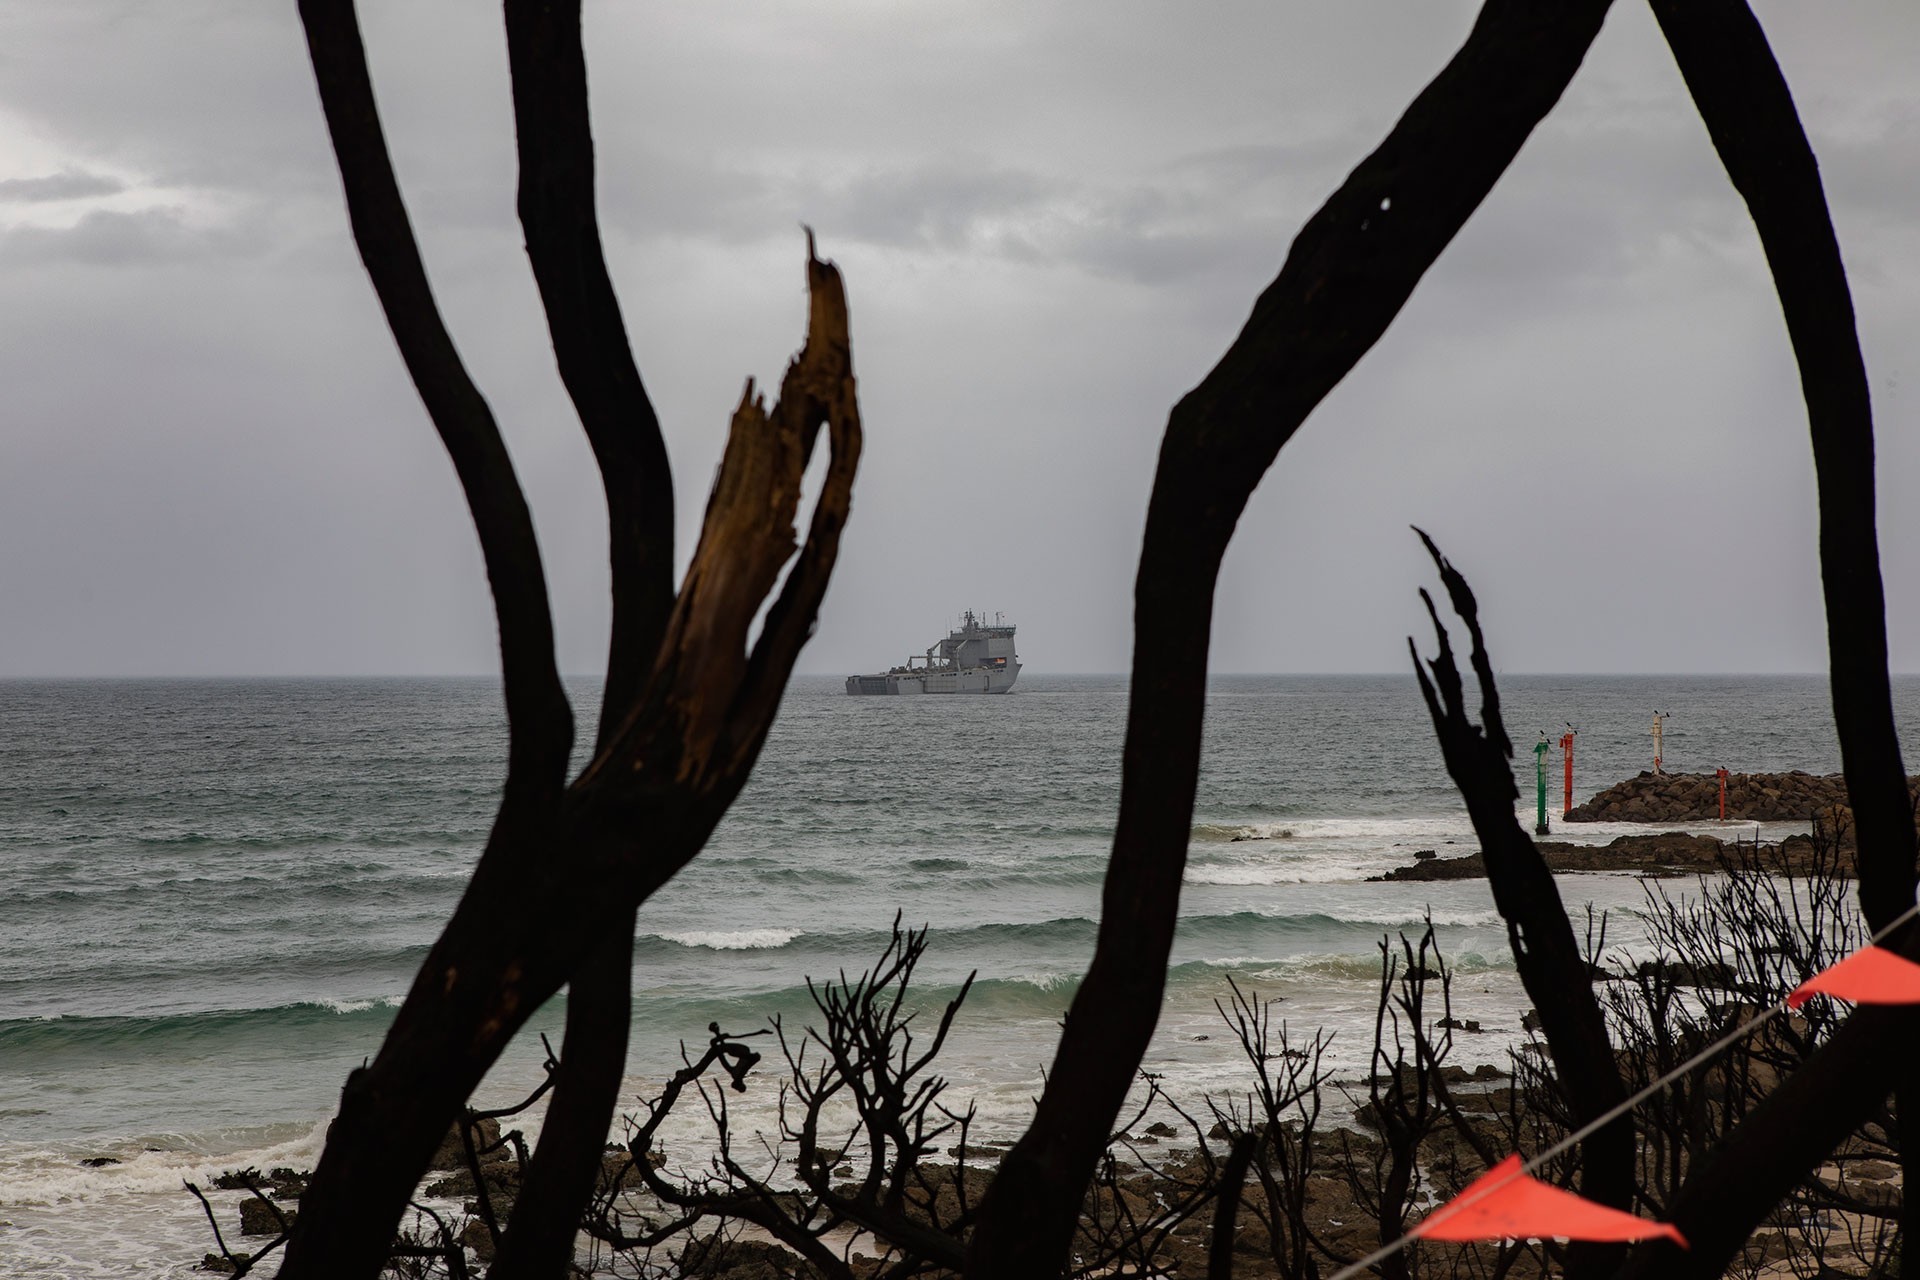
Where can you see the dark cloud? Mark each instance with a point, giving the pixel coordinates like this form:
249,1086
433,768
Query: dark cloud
71,184
106,238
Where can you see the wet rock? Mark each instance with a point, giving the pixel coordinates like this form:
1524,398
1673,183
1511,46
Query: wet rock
501,1177
452,1152
617,1164
1680,973
261,1217
289,1184
1665,853
475,1237
712,1258
1470,867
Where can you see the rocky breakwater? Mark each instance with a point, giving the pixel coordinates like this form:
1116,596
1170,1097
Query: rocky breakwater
1670,853
1751,797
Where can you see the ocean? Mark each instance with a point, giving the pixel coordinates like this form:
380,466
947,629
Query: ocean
216,891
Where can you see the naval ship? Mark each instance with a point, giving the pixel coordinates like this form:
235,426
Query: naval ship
977,658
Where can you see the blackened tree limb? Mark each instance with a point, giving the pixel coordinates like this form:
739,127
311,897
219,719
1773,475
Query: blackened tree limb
558,214
747,537
1749,112
1226,1212
1553,968
540,722
1351,269
822,394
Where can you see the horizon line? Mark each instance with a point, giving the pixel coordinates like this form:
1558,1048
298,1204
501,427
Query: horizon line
800,675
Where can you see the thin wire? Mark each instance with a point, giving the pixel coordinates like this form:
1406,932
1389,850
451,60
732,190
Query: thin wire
1606,1118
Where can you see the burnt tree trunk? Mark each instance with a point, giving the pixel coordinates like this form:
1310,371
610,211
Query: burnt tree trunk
689,700
1749,112
1350,270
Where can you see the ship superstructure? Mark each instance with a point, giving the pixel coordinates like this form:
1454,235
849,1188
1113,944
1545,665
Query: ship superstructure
978,657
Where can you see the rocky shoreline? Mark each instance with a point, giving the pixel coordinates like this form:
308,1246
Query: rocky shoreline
1656,854
1669,853
1156,1166
1655,798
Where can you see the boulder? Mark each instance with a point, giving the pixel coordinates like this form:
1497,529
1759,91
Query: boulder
239,1179
1471,867
711,1258
261,1217
452,1152
475,1237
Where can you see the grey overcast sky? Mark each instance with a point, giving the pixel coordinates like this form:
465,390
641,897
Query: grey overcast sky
1053,217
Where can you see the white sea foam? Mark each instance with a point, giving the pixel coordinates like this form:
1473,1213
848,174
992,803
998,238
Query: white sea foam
49,1175
1223,832
1249,874
358,1006
1370,831
734,940
1407,917
129,1221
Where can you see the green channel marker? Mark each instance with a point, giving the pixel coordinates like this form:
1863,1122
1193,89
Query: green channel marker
1540,750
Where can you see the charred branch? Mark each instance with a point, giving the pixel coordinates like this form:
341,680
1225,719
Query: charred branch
865,1054
1233,1177
1553,968
540,721
243,1263
559,214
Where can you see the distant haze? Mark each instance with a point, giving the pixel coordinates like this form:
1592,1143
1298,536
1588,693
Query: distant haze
1052,217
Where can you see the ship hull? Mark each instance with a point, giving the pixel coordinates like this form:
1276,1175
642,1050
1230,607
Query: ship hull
898,683
976,658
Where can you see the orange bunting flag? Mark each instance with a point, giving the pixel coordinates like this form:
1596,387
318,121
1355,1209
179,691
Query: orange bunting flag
1871,975
1505,1203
